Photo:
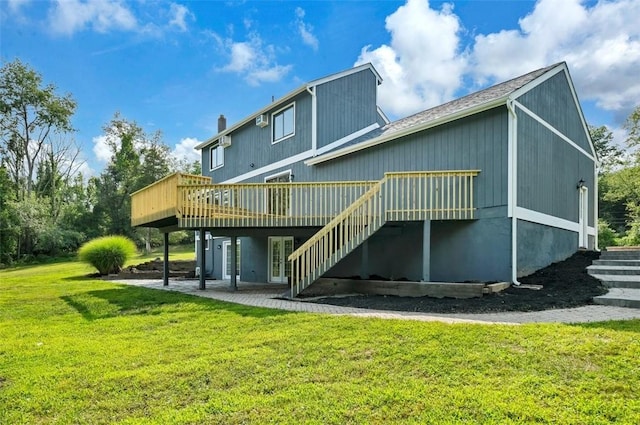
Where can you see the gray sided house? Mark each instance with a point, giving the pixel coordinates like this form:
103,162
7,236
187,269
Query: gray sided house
489,187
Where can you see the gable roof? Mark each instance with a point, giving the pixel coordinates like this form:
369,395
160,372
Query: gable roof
287,97
468,105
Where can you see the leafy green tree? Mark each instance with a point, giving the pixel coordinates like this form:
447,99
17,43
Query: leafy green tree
137,161
608,153
30,113
620,188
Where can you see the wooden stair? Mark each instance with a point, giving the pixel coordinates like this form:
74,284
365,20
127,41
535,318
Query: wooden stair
446,195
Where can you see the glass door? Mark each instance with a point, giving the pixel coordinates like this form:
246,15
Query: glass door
226,260
280,247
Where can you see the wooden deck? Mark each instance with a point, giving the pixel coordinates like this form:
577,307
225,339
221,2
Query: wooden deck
192,202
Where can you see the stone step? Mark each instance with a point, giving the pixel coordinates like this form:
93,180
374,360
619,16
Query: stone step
607,262
619,281
620,297
620,255
613,270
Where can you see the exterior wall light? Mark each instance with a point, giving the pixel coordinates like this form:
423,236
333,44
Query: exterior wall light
580,184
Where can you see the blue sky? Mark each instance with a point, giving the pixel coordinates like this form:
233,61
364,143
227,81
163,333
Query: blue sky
176,66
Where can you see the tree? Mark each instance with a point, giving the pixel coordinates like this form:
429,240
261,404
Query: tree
620,188
30,113
137,161
609,154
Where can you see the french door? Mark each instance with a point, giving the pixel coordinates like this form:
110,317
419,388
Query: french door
280,247
226,260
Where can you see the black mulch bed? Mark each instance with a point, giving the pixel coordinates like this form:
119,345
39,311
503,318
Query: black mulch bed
564,284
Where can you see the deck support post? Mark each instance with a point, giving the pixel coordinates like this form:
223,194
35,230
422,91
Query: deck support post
426,251
233,284
165,266
203,261
364,262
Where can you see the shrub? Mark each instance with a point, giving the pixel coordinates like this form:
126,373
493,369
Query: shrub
107,254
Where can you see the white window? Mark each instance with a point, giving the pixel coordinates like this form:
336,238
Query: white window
216,156
284,123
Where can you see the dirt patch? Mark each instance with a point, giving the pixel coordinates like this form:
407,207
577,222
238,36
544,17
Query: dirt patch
153,270
561,285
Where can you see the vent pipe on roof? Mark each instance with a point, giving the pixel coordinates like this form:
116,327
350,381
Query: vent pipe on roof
222,123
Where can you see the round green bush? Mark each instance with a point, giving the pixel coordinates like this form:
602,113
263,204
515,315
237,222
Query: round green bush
107,254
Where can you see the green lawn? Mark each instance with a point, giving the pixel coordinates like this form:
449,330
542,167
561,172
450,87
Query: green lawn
77,350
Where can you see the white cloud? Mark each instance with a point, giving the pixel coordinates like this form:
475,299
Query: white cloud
252,59
101,149
69,16
185,150
180,14
601,45
305,30
423,65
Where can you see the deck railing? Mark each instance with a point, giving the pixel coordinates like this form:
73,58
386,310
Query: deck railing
397,197
160,200
266,204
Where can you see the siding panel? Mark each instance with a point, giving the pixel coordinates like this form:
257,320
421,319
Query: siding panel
553,102
345,106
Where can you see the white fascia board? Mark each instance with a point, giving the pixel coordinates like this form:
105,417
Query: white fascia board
344,73
347,139
383,115
553,129
266,109
407,131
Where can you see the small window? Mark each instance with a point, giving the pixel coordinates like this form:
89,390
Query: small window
284,123
216,156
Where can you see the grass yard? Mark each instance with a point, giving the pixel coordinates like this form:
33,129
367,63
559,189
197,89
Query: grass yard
83,351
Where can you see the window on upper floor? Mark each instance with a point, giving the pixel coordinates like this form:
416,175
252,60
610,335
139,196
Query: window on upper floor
216,156
283,123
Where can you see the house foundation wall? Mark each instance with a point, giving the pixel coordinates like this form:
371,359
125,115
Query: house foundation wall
477,250
540,245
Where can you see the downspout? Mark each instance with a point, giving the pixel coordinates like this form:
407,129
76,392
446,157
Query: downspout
595,206
513,188
314,124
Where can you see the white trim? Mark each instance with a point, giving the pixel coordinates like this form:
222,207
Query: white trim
346,72
553,129
314,118
291,105
562,67
595,208
512,185
583,221
271,167
281,173
546,219
383,115
226,243
348,138
299,157
212,148
406,131
538,80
